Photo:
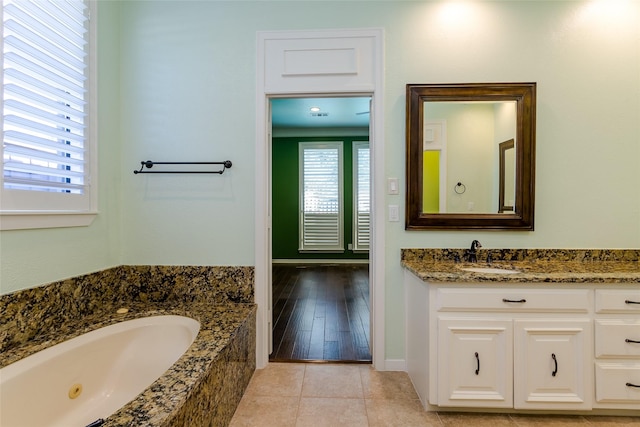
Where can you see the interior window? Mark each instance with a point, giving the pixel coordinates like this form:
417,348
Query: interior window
321,199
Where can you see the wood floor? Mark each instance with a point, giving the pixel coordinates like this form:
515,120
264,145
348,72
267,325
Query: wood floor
321,313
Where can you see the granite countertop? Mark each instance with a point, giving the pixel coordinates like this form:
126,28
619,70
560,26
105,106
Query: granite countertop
533,266
152,407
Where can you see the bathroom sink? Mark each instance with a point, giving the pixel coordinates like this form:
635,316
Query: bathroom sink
490,270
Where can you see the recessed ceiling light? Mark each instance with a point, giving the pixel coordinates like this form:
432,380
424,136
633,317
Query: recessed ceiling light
314,109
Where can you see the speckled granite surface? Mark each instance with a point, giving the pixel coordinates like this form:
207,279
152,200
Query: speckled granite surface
204,386
48,309
534,265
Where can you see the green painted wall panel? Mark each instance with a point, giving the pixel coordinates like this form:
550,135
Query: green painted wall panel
285,198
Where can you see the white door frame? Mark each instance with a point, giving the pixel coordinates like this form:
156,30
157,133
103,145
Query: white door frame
263,259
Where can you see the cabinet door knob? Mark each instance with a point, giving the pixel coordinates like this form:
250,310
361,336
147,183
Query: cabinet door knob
555,368
628,301
477,364
632,341
632,385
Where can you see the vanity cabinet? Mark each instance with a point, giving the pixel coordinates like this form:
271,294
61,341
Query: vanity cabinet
538,330
523,364
510,347
525,347
617,348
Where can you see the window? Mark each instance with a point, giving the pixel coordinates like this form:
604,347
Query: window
47,147
361,196
321,205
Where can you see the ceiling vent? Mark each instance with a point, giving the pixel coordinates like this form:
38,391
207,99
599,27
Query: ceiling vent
319,114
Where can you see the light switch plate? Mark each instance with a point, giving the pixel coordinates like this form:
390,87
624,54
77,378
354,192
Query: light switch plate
394,215
392,186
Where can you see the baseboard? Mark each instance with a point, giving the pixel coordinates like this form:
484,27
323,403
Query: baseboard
395,365
320,261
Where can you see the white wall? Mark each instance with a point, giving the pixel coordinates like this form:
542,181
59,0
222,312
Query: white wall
187,88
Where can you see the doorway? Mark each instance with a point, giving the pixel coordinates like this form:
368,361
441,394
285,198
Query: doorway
321,210
347,62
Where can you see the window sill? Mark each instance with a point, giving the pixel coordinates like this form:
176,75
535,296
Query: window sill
33,220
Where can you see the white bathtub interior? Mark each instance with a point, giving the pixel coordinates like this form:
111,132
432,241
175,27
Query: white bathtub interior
105,368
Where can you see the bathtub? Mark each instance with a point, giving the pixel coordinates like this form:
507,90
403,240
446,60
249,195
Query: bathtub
88,378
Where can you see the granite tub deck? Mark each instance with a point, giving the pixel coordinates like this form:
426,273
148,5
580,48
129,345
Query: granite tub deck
534,265
204,387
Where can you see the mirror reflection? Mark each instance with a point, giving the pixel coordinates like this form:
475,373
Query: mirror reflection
507,178
462,156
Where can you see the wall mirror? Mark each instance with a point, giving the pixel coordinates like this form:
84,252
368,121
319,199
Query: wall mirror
470,156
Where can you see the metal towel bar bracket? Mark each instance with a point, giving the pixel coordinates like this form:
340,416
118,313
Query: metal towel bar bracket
148,164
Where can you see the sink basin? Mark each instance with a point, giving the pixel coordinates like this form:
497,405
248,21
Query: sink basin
490,270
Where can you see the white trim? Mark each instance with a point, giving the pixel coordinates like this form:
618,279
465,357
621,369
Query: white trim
395,365
92,135
263,213
320,261
377,244
33,220
262,191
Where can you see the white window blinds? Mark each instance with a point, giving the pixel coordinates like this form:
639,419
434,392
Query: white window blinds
321,213
362,196
44,89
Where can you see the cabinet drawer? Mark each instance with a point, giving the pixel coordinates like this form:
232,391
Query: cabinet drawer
513,300
618,300
615,337
612,379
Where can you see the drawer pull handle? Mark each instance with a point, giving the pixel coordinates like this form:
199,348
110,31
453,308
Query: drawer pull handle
633,341
555,361
632,385
519,301
478,364
628,301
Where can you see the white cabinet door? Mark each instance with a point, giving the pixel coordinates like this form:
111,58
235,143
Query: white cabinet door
552,364
475,363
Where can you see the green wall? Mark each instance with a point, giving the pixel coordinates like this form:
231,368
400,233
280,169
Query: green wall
285,198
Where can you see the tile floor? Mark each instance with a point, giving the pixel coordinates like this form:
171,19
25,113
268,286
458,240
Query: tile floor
333,395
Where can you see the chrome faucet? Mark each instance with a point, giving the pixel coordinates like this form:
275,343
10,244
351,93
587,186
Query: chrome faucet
471,253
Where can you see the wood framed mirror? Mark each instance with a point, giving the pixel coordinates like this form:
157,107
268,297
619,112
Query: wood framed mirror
458,173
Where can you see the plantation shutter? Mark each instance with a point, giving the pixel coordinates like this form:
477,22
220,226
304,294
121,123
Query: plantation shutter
44,94
321,197
362,195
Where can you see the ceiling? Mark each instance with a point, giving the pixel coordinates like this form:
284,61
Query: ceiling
334,112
